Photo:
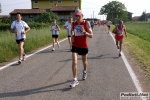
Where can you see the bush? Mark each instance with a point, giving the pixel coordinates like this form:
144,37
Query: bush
46,17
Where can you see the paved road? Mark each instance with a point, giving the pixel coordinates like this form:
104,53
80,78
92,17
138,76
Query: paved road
47,74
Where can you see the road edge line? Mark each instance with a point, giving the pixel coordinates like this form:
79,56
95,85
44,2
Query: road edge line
9,64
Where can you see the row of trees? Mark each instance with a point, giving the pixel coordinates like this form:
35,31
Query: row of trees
115,10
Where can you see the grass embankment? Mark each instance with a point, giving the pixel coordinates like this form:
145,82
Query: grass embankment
35,38
138,44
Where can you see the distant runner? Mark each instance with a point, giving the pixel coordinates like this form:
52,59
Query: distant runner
119,30
92,25
108,25
55,32
81,29
68,26
20,28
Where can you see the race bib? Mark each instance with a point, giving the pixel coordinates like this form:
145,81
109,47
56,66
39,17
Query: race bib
77,30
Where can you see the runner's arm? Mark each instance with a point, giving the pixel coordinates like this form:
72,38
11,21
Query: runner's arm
27,30
65,26
125,31
114,30
89,32
58,28
12,28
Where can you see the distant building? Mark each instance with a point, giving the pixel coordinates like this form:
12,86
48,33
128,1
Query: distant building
62,8
64,11
135,18
27,14
47,4
148,17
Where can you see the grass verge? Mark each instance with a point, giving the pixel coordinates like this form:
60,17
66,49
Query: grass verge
35,39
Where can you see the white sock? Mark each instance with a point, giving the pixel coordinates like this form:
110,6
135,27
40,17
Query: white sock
84,71
75,79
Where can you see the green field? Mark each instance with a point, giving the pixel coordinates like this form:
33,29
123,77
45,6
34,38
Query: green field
35,39
140,29
138,44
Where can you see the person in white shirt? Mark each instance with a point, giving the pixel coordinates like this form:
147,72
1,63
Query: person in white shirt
108,24
20,28
68,26
55,32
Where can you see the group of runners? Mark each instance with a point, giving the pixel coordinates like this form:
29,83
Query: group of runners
77,33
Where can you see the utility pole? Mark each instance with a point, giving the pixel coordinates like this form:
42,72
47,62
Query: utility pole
93,15
145,15
0,8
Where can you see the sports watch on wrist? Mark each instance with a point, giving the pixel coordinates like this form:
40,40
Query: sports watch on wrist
84,32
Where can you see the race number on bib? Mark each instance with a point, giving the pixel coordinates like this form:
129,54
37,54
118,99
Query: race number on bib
77,30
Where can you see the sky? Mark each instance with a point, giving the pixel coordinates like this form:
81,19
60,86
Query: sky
90,8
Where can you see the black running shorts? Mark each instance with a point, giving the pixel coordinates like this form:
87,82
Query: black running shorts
54,36
19,41
80,51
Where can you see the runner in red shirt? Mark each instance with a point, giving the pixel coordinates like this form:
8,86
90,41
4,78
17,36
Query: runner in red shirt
81,29
120,31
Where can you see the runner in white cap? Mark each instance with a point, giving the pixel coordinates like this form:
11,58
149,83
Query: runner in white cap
81,29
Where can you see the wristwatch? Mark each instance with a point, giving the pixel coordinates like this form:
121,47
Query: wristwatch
84,32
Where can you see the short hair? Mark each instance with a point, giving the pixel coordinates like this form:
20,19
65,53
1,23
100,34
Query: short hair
18,13
70,16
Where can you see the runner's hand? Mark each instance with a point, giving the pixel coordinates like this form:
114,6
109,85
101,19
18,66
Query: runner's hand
16,32
24,32
82,29
72,38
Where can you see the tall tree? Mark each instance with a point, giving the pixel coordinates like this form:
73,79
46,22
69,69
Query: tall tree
114,10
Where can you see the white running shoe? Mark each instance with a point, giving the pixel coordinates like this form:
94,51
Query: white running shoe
74,83
119,54
84,75
19,61
58,45
53,49
24,57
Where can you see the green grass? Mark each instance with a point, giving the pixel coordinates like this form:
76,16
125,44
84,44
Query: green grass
140,29
138,46
35,39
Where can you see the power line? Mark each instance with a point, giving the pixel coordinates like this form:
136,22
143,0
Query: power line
17,3
91,3
90,8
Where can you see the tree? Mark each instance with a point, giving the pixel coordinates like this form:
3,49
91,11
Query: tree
46,17
143,16
114,10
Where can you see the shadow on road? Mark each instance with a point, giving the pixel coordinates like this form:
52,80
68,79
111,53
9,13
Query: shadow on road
35,91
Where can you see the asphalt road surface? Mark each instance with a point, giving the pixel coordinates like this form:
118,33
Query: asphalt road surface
47,74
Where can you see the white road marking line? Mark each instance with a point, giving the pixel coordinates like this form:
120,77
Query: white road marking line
3,67
131,72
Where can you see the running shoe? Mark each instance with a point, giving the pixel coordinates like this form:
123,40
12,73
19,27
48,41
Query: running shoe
58,45
53,49
24,57
118,47
74,83
19,61
84,76
119,54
